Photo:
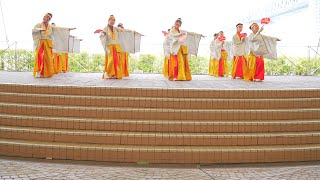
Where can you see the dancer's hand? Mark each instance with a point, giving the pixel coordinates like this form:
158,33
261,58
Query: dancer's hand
261,29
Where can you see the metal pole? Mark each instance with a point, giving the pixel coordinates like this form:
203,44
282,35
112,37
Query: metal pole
309,62
15,57
4,25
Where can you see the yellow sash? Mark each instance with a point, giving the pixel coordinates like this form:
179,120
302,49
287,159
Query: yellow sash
184,50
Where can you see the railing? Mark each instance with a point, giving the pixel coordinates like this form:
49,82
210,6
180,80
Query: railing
292,60
295,60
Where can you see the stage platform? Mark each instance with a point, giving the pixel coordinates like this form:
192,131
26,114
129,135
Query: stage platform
147,119
158,81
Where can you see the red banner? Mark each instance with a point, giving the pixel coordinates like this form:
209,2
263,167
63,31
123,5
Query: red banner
243,35
222,38
265,20
98,31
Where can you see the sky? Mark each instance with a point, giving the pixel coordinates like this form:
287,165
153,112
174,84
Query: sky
149,17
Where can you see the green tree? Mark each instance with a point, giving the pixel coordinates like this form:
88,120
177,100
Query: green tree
133,63
23,60
79,62
199,64
96,63
146,63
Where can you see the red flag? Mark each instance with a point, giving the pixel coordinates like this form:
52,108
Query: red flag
265,20
98,31
243,35
222,38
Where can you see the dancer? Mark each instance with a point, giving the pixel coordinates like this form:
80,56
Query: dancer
166,51
62,47
182,43
43,65
65,62
57,59
214,62
124,57
222,54
259,47
116,41
239,62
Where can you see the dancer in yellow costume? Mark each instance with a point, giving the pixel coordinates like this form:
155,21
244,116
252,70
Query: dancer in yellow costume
115,41
113,64
57,66
214,62
239,61
178,62
260,47
222,55
166,51
60,60
43,61
65,62
124,57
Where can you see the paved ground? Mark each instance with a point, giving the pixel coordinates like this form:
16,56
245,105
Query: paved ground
158,81
26,169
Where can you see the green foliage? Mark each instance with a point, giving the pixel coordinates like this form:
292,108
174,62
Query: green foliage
293,66
23,60
133,63
97,63
199,64
146,63
79,62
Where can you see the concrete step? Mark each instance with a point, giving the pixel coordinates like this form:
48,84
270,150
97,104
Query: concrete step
160,154
157,114
160,92
151,102
158,139
148,125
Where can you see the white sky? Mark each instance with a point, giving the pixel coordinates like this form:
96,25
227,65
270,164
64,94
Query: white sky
148,17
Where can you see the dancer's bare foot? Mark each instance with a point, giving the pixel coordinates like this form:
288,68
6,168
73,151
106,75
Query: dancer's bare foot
37,74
